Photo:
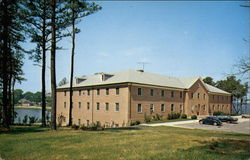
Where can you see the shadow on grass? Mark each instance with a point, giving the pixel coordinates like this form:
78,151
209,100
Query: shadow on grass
236,149
25,129
122,129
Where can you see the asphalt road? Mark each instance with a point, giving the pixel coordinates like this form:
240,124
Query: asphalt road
240,127
243,125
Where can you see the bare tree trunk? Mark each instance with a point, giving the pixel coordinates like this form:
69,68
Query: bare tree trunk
44,68
6,53
13,101
72,67
53,64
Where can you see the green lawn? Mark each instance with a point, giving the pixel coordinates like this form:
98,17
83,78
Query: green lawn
142,143
171,120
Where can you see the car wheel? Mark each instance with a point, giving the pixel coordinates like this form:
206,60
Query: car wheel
201,122
215,124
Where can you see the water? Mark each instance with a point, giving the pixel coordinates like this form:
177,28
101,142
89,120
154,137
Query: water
21,113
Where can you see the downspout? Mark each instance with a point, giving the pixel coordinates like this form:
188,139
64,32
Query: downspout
92,105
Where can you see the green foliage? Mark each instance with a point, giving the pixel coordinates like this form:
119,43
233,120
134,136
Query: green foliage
75,127
63,82
25,119
157,117
209,80
173,116
135,123
93,127
183,116
32,119
218,113
193,117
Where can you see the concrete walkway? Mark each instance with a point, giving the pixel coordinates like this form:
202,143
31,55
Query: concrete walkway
170,123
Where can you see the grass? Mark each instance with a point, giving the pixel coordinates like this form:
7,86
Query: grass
170,120
133,143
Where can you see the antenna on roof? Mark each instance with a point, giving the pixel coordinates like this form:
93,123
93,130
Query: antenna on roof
143,64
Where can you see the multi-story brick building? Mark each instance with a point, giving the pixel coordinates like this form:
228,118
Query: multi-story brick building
121,97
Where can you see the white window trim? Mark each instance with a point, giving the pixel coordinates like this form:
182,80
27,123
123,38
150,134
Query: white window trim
164,108
138,106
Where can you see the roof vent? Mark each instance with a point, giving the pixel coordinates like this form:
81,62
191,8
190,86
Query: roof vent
106,76
79,80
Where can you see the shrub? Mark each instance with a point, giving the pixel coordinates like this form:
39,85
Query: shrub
174,116
193,117
32,119
218,113
25,119
135,123
74,126
184,116
147,118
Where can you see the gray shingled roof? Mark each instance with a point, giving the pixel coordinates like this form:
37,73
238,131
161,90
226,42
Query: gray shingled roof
136,76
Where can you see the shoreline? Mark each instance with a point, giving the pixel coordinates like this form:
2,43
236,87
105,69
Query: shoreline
32,107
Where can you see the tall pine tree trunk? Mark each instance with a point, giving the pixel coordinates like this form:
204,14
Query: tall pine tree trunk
5,49
44,68
53,64
72,67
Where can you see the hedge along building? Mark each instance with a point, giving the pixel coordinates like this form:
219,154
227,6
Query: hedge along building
122,97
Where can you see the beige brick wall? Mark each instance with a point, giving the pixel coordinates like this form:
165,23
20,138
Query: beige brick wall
129,99
83,114
157,100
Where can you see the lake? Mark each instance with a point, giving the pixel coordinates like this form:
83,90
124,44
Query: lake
22,112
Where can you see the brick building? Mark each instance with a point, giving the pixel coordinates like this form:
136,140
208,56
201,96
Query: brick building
121,97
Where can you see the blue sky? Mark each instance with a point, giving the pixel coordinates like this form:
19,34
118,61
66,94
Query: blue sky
180,39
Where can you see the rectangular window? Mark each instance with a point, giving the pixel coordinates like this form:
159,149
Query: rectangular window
107,106
88,105
139,108
180,94
172,94
79,122
65,93
222,97
192,95
204,96
181,108
88,92
204,107
172,107
64,104
198,95
107,91
162,93
97,106
98,91
117,91
117,107
139,92
80,92
79,104
152,108
151,92
163,107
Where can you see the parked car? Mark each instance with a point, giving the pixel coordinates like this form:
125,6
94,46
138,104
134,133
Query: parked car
245,116
211,120
226,118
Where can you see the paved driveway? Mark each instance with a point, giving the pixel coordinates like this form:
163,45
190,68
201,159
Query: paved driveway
243,125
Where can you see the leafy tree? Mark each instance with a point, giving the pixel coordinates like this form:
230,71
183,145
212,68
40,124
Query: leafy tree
29,96
37,97
209,80
63,82
18,94
77,9
238,90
